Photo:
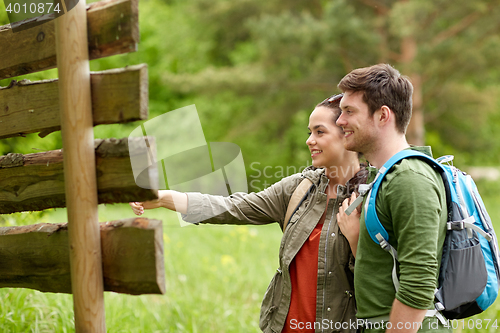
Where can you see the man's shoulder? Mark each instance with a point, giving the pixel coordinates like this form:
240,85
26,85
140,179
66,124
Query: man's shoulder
413,165
412,173
414,168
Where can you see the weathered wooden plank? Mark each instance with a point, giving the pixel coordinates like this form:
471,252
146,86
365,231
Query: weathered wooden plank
133,257
37,257
36,181
112,25
118,96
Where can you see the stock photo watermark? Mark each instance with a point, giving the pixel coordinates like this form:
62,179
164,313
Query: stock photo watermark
26,14
174,144
456,324
264,175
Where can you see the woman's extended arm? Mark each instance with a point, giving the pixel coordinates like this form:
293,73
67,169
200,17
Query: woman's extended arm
173,200
267,206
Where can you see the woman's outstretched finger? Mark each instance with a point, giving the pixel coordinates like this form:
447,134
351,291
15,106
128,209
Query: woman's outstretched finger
137,207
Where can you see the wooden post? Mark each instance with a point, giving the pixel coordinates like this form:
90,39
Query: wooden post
79,170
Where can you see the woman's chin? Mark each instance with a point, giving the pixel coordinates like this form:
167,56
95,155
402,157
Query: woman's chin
317,165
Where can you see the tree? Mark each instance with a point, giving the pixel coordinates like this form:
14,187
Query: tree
256,68
287,56
447,49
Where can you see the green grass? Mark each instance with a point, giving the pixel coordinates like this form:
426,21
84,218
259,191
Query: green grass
216,277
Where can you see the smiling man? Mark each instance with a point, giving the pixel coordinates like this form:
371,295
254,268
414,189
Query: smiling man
411,205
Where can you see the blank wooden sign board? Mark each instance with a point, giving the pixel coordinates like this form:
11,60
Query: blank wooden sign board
82,257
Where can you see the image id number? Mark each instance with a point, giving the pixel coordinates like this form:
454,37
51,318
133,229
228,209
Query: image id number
32,8
472,324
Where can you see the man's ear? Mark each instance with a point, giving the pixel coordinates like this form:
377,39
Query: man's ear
384,115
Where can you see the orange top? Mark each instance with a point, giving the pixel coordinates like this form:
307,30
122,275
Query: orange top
304,275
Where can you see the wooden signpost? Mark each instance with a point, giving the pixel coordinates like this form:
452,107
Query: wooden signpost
82,257
37,257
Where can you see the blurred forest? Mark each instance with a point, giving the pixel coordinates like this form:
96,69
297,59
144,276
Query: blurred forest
255,69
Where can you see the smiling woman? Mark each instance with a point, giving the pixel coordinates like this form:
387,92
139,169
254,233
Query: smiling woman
326,139
314,283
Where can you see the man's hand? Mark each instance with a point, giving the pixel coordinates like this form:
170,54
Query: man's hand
349,225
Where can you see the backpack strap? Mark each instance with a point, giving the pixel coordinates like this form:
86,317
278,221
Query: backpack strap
362,190
373,225
392,251
298,196
372,221
468,223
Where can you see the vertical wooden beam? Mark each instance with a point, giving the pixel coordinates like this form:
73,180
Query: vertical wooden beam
79,170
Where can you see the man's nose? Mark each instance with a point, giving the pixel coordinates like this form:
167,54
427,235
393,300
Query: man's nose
340,121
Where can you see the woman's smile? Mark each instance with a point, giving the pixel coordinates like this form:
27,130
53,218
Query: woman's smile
315,152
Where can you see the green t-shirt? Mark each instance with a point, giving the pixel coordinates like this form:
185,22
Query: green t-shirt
411,205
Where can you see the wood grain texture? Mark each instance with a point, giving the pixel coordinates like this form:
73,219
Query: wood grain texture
80,182
118,96
37,257
36,181
113,28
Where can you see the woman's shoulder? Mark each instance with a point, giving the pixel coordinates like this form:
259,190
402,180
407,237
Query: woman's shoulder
314,174
290,183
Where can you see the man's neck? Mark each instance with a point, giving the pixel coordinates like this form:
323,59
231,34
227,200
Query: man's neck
385,151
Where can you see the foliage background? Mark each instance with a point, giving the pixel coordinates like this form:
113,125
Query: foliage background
255,70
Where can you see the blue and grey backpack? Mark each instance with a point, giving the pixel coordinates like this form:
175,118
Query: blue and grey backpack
470,272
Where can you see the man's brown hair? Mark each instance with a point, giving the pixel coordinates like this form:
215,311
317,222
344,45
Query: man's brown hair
382,85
